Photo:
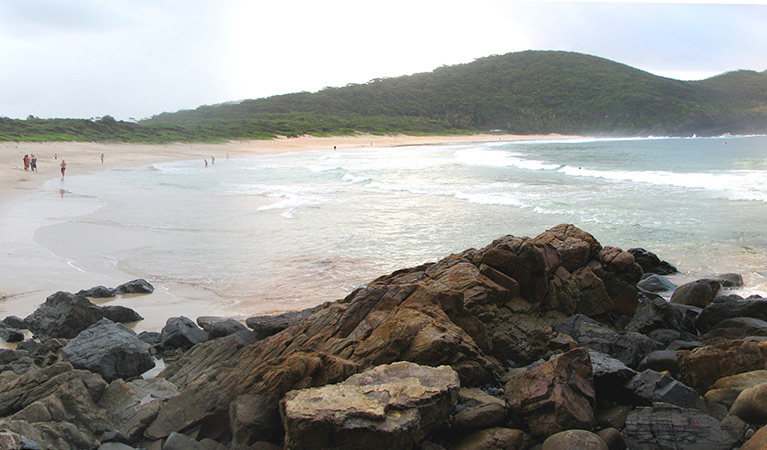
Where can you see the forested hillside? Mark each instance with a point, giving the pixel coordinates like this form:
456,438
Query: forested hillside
527,93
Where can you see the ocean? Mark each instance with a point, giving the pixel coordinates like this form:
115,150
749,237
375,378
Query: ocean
288,231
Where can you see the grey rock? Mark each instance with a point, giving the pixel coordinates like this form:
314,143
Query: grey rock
613,438
253,418
217,327
97,292
655,313
10,334
266,326
574,440
110,350
729,280
699,293
18,361
629,347
609,373
668,426
737,328
728,309
655,283
181,332
650,386
660,361
15,322
115,446
64,315
139,286
651,263
178,441
133,405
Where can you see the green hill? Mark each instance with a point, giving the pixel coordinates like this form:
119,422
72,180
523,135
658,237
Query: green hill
528,93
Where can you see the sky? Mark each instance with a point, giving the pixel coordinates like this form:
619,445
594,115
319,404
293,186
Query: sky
132,59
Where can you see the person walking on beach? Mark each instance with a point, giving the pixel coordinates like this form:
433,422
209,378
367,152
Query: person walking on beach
102,158
63,167
26,162
33,163
206,162
213,160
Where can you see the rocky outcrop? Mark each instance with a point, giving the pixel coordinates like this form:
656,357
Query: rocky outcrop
391,406
543,335
138,286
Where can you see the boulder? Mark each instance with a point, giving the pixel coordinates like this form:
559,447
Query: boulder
265,326
132,406
109,349
668,426
18,361
620,274
628,347
613,439
649,386
751,404
217,327
737,328
729,280
181,332
554,396
178,441
661,361
609,375
728,309
703,366
139,286
573,246
699,293
254,418
495,439
97,292
652,282
15,322
10,334
758,441
64,315
478,410
650,262
655,313
727,389
389,406
580,292
574,440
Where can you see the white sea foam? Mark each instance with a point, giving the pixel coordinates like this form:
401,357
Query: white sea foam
501,158
349,178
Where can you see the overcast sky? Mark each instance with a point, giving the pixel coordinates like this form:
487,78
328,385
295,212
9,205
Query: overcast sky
137,58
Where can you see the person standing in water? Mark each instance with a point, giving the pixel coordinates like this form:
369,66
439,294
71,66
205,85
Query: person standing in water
63,167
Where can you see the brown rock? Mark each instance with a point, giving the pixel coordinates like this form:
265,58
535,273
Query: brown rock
479,410
751,404
758,441
702,366
495,439
574,440
574,246
727,389
555,396
391,406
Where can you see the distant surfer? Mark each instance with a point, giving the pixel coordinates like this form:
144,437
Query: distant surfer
63,167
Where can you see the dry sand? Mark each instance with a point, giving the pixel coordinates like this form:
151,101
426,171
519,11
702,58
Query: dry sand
29,273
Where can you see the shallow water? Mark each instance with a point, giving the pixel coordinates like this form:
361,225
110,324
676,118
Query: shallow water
282,232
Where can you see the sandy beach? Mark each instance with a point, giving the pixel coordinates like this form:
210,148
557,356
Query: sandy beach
30,273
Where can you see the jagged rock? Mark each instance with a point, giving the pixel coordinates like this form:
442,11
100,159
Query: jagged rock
649,386
266,326
150,338
660,361
181,332
737,328
620,274
495,439
612,417
523,260
655,313
64,315
14,441
477,410
703,366
609,374
18,361
139,286
217,327
15,322
574,247
178,441
391,406
728,309
254,418
109,349
49,435
628,347
10,334
727,389
651,263
580,292
751,404
699,293
115,446
668,426
652,282
574,440
132,406
554,396
97,292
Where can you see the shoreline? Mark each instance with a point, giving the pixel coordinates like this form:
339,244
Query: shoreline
30,273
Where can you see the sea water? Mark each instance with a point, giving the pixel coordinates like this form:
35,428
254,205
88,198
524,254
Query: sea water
281,232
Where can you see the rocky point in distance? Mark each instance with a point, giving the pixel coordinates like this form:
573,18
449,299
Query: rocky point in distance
552,342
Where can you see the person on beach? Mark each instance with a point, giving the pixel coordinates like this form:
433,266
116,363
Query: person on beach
63,167
206,162
102,158
33,163
26,162
213,160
